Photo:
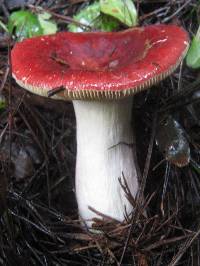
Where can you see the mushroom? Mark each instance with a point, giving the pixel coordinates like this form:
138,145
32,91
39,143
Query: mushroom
100,72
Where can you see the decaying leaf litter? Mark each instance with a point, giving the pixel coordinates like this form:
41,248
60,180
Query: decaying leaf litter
39,223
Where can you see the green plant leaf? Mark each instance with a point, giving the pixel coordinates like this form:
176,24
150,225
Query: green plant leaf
48,26
24,24
91,16
193,55
123,10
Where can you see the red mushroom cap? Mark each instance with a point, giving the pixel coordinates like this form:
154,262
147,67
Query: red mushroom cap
99,64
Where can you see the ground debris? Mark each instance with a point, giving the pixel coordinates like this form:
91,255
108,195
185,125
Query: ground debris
13,4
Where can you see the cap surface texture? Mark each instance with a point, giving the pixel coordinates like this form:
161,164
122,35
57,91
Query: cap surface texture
98,65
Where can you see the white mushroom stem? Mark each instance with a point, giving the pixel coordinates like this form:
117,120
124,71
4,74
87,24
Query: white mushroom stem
104,154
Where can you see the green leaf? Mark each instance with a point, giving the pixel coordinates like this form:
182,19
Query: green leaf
48,26
24,24
91,16
106,23
123,10
193,55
